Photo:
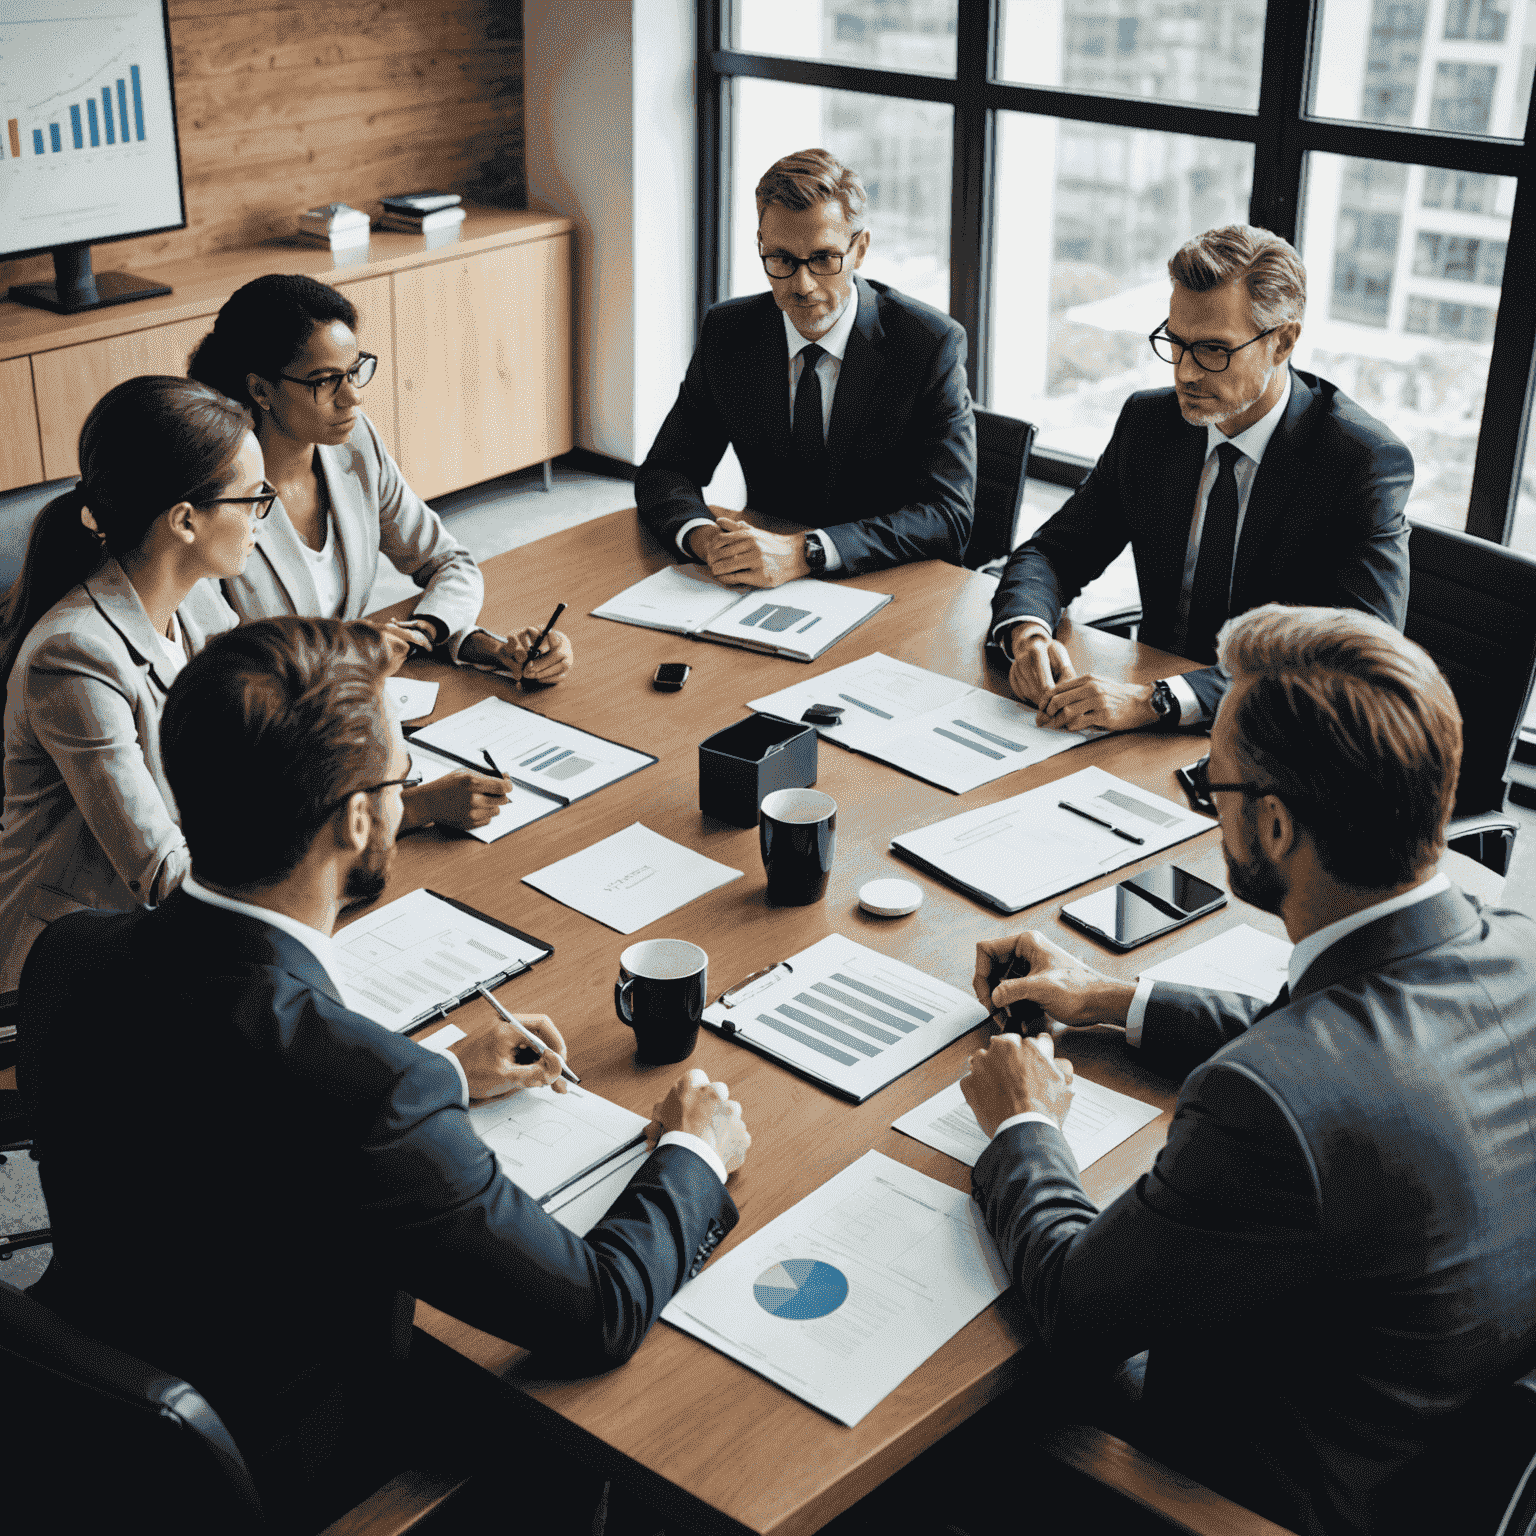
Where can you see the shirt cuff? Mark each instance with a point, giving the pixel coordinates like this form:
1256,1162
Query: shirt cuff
1136,1014
828,543
1001,633
698,1145
1190,712
686,529
1027,1117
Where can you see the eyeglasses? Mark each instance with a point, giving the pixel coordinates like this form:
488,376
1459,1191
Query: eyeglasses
259,505
410,781
358,375
822,264
1200,777
1212,356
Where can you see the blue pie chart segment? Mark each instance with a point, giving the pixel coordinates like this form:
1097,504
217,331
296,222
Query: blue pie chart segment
799,1290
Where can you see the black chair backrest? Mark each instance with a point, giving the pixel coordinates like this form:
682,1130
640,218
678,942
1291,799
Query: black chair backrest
1002,461
96,1439
1472,606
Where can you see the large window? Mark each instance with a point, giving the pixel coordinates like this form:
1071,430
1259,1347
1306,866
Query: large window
1033,163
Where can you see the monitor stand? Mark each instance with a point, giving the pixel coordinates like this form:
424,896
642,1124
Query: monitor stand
75,288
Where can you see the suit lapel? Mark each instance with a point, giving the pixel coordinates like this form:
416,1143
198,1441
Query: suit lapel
118,603
1173,464
278,543
1271,493
767,368
352,526
858,377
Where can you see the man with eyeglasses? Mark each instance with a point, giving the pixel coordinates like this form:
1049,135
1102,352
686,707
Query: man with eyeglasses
1247,482
846,403
1333,1254
309,1171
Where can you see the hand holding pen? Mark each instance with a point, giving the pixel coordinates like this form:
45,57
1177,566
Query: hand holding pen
541,656
489,1058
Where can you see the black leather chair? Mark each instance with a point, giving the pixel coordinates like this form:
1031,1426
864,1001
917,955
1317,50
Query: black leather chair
1002,462
96,1438
1472,606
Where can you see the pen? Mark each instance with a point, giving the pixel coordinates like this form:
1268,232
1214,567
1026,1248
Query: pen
485,753
533,1040
535,650
1099,821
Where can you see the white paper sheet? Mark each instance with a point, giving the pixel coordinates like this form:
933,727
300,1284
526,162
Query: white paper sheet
1023,850
1240,960
586,1202
413,700
631,879
928,725
402,962
539,754
543,1139
849,1016
522,806
842,1297
800,619
1098,1121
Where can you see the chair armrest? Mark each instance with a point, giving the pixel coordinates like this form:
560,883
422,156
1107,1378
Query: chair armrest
1186,1504
1489,838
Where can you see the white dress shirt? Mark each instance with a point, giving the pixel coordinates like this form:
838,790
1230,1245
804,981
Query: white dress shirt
834,345
1251,443
326,572
322,947
1303,955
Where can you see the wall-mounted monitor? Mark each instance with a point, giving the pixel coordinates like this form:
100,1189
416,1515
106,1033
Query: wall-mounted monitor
88,143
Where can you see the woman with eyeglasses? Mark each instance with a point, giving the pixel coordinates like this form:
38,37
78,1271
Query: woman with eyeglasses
286,346
117,591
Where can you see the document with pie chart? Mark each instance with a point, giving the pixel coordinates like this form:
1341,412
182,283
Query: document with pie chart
842,1297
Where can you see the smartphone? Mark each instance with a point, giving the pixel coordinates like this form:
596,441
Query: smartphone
1144,907
670,676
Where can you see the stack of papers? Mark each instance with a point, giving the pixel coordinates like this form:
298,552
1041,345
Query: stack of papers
631,879
799,620
924,723
1241,960
1020,851
842,1297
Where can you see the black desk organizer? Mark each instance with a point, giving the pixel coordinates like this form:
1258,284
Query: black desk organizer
754,757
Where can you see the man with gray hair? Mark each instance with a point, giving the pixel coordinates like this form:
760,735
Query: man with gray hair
846,403
1247,482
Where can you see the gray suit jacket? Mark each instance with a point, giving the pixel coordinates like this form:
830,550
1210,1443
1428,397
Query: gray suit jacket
376,513
89,820
1334,1252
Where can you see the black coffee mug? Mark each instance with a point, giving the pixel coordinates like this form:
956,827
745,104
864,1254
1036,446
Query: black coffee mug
797,831
660,994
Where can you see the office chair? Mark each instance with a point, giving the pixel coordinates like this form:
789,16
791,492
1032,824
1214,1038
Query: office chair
1472,606
1002,462
105,1437
16,1138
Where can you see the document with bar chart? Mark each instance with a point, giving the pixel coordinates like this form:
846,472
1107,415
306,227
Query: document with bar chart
87,126
415,958
842,1297
924,723
1098,1121
1020,851
541,756
845,1016
799,620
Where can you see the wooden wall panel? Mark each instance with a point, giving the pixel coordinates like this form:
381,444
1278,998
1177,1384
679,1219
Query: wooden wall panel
375,333
283,104
21,460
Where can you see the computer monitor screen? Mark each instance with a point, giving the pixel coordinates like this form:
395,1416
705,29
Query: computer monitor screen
88,147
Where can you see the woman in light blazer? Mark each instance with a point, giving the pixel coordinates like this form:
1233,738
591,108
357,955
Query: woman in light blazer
118,589
287,347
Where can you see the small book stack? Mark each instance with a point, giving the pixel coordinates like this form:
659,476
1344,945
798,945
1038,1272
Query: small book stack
422,213
334,226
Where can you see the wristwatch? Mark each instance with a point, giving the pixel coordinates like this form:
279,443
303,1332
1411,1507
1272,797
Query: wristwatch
815,553
1164,705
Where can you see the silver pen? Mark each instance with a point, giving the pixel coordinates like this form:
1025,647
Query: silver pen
533,1040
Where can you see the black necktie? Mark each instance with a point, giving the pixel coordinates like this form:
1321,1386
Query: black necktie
809,435
1212,589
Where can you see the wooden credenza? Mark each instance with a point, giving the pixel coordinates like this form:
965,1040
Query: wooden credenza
473,339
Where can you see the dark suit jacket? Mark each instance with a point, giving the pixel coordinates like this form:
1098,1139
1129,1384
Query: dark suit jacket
248,1182
901,445
1337,1246
1324,525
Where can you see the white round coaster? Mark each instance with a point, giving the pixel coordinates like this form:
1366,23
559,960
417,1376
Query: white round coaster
890,898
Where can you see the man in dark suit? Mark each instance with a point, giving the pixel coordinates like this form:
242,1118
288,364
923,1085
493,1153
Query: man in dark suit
1248,482
846,403
302,1173
1336,1249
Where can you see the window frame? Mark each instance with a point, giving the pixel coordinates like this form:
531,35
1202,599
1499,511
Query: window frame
1282,131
